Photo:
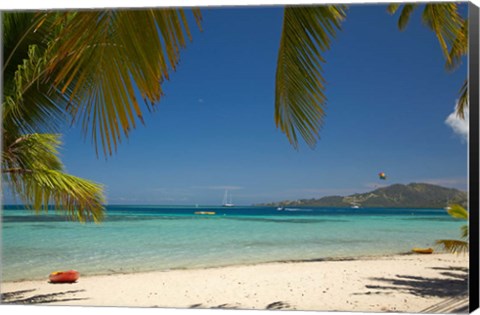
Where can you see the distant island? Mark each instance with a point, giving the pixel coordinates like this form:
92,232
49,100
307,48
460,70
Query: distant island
414,195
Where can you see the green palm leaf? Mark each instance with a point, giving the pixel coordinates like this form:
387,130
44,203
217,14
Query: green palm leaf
29,105
19,33
81,199
404,17
31,151
446,22
464,230
453,246
459,46
457,246
31,167
457,211
462,104
299,87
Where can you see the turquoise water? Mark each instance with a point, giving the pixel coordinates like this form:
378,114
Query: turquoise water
143,238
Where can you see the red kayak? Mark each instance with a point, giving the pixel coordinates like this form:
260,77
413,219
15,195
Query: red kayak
69,276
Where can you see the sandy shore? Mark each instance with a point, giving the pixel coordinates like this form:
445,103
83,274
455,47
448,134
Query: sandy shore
402,283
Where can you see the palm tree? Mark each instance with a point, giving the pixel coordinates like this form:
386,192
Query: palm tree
30,163
63,67
457,246
93,68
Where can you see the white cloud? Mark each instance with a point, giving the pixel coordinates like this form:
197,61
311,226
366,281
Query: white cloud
219,187
459,126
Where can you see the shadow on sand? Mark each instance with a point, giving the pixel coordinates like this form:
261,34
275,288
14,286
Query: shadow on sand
452,287
22,297
453,283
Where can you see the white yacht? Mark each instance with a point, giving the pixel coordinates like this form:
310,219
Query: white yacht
226,201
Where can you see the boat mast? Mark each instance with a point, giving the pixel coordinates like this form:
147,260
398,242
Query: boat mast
225,197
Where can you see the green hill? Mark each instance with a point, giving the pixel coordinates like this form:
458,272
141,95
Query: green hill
414,195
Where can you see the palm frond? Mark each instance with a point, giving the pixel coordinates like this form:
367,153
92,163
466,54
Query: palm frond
19,32
299,89
456,246
463,102
453,246
393,7
404,17
79,198
31,151
29,106
102,58
464,230
457,211
447,24
459,47
31,167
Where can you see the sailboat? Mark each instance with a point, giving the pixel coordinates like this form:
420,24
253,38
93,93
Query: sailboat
226,202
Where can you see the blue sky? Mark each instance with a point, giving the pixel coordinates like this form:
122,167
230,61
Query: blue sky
388,98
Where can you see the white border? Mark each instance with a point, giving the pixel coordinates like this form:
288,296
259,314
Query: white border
59,4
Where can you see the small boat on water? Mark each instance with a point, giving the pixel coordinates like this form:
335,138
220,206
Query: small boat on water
280,208
226,201
69,276
204,212
422,250
355,205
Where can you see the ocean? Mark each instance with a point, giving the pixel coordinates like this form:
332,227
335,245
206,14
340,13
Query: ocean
145,238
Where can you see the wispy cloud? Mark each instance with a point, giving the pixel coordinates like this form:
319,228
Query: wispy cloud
122,200
220,187
172,191
320,192
459,126
373,185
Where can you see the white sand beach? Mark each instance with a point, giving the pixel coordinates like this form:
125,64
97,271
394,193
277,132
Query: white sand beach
400,283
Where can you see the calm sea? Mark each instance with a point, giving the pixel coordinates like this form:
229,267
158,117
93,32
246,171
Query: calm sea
143,238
